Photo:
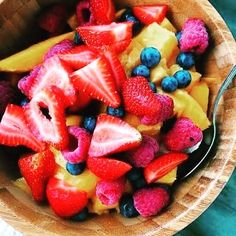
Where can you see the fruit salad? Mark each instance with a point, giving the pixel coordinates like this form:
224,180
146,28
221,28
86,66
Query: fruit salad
107,112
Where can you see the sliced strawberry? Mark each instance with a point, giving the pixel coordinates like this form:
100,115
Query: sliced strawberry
112,135
14,130
37,169
53,129
82,100
103,11
163,165
115,35
139,98
117,68
96,80
65,200
107,168
79,57
152,13
54,72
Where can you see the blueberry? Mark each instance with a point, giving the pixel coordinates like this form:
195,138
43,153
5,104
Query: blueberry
141,70
128,16
150,57
127,208
81,216
77,39
183,77
75,169
139,183
118,112
89,123
178,36
153,87
169,84
186,60
24,102
134,174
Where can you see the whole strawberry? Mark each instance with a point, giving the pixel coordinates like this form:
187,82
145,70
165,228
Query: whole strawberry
183,135
150,201
139,98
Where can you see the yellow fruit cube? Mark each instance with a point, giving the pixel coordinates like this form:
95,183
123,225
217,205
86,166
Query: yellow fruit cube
168,178
151,130
73,120
132,120
200,92
159,72
72,21
168,25
195,79
25,60
174,68
186,106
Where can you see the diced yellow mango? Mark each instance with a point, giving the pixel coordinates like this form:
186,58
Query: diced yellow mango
86,181
186,106
98,207
73,120
174,68
132,120
195,79
21,184
172,59
168,25
168,178
200,92
211,80
72,21
151,130
25,60
159,72
60,160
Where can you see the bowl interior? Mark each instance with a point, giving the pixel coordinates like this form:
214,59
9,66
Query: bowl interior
192,197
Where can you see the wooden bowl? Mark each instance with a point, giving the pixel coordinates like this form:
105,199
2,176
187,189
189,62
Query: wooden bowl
193,196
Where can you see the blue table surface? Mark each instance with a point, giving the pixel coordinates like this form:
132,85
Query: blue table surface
220,218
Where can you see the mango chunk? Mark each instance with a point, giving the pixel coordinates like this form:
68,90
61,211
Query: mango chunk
168,178
186,106
195,79
159,72
25,60
73,120
174,68
200,92
168,25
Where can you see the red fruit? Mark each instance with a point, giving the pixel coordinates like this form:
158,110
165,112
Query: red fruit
150,201
84,15
82,100
117,68
149,14
14,130
112,135
37,169
116,36
53,129
53,19
77,150
139,98
162,165
96,80
79,57
106,168
64,199
54,72
103,11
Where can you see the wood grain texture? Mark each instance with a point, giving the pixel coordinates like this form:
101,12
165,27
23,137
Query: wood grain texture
193,196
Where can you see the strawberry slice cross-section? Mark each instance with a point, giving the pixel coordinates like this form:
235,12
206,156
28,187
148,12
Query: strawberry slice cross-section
96,80
112,135
51,127
14,130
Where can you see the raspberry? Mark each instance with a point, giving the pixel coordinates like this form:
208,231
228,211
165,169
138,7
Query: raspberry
7,95
145,153
194,36
184,134
110,192
84,15
60,47
79,144
27,81
150,201
165,112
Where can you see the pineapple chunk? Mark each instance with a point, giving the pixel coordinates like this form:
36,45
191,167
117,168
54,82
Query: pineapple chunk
168,25
186,106
86,181
195,79
156,36
159,72
73,120
174,68
99,208
169,178
200,92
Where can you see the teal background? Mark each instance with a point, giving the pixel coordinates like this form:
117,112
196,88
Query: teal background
220,218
